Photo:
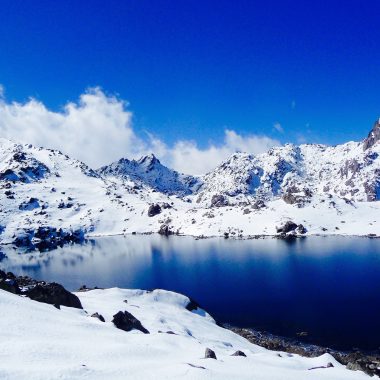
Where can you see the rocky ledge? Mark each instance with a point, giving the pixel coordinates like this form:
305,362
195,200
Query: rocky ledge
368,362
41,291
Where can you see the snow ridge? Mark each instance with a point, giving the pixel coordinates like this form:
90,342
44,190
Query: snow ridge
326,189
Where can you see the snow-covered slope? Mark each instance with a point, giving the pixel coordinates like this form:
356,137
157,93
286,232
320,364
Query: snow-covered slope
327,189
40,342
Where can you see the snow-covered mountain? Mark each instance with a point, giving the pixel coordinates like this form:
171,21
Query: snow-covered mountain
297,173
326,189
148,171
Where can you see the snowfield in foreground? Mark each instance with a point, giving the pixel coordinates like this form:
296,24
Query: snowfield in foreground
39,341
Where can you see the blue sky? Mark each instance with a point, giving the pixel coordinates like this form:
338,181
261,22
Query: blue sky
191,69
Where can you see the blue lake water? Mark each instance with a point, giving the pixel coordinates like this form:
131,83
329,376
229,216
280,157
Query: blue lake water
328,287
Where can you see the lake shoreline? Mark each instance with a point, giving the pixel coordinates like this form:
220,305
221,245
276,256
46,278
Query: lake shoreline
356,360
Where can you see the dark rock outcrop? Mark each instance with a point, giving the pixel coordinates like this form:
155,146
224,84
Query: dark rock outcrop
9,285
219,200
98,316
54,294
294,195
239,353
165,230
372,137
301,229
210,354
124,320
287,227
41,291
259,204
154,210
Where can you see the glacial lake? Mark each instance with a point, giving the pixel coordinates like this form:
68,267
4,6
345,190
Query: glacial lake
328,287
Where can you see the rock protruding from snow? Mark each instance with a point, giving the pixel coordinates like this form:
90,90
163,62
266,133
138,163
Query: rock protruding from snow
124,320
210,354
54,294
154,210
239,353
373,136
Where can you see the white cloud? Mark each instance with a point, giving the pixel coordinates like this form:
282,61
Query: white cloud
98,130
278,127
187,157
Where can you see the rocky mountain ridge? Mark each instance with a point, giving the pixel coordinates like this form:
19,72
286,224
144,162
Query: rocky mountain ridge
45,194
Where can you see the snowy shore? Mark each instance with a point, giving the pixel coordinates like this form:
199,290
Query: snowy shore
40,341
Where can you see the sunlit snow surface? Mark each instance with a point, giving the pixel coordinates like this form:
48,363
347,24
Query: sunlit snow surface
43,187
39,341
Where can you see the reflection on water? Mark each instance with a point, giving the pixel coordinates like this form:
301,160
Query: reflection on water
328,287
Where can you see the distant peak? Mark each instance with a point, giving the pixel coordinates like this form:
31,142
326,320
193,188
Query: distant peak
373,136
149,159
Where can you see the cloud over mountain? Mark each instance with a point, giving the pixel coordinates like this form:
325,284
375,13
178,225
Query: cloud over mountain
98,129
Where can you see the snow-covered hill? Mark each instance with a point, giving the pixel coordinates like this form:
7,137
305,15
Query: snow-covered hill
42,342
148,171
321,189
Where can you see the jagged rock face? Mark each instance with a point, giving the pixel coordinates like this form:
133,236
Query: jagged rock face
149,172
19,166
373,137
297,173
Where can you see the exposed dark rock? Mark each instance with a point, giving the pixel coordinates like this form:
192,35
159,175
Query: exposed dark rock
287,227
62,205
9,285
372,189
154,210
301,229
219,200
30,205
239,353
165,230
354,360
372,137
124,320
294,195
192,305
210,354
53,293
47,238
259,204
98,316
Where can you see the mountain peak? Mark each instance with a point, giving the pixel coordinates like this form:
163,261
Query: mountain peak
373,136
149,159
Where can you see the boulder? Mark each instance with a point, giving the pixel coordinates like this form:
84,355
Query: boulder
124,320
287,227
9,285
301,229
210,354
53,293
154,210
239,353
259,204
165,230
219,200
